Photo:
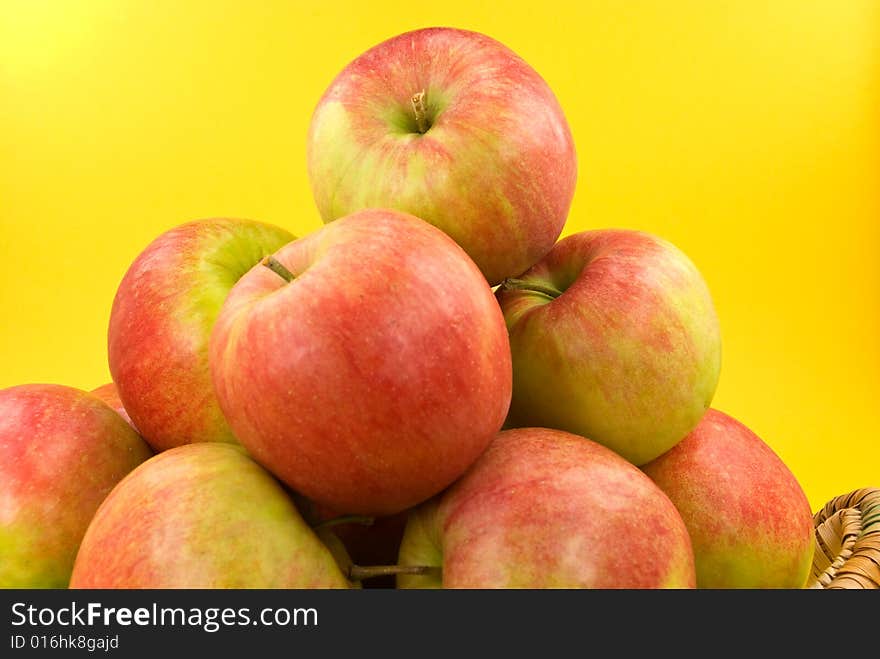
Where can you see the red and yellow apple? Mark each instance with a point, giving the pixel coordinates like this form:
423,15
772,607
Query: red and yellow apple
161,320
61,452
202,516
748,517
368,366
545,508
455,128
614,336
110,395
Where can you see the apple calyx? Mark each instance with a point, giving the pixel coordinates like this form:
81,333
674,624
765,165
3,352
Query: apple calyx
420,110
363,520
534,287
361,572
275,266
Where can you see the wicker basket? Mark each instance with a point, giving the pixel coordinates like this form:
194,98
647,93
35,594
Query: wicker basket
847,552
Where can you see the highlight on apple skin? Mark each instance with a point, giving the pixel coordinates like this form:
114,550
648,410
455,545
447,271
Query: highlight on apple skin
451,126
747,515
61,452
161,320
544,508
207,516
614,336
368,366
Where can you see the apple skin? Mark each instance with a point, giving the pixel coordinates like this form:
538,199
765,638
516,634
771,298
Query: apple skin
544,508
377,376
110,395
61,452
202,516
748,518
628,355
496,170
161,320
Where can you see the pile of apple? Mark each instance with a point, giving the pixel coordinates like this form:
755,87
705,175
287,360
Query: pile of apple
431,390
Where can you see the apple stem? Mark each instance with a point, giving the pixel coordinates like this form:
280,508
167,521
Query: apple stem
523,285
361,572
420,110
275,266
364,520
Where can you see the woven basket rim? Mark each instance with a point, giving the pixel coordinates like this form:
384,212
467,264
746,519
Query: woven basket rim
847,542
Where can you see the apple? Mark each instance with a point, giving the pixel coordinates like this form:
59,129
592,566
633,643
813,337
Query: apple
614,336
748,517
544,508
202,516
110,395
367,366
61,452
455,128
161,320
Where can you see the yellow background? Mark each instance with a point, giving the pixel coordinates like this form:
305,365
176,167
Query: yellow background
747,132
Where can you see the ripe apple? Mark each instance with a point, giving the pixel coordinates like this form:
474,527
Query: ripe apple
368,366
614,337
202,516
545,508
110,395
161,320
748,517
61,451
455,128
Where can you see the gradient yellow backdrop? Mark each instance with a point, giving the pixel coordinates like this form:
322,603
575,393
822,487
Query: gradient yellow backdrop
747,132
